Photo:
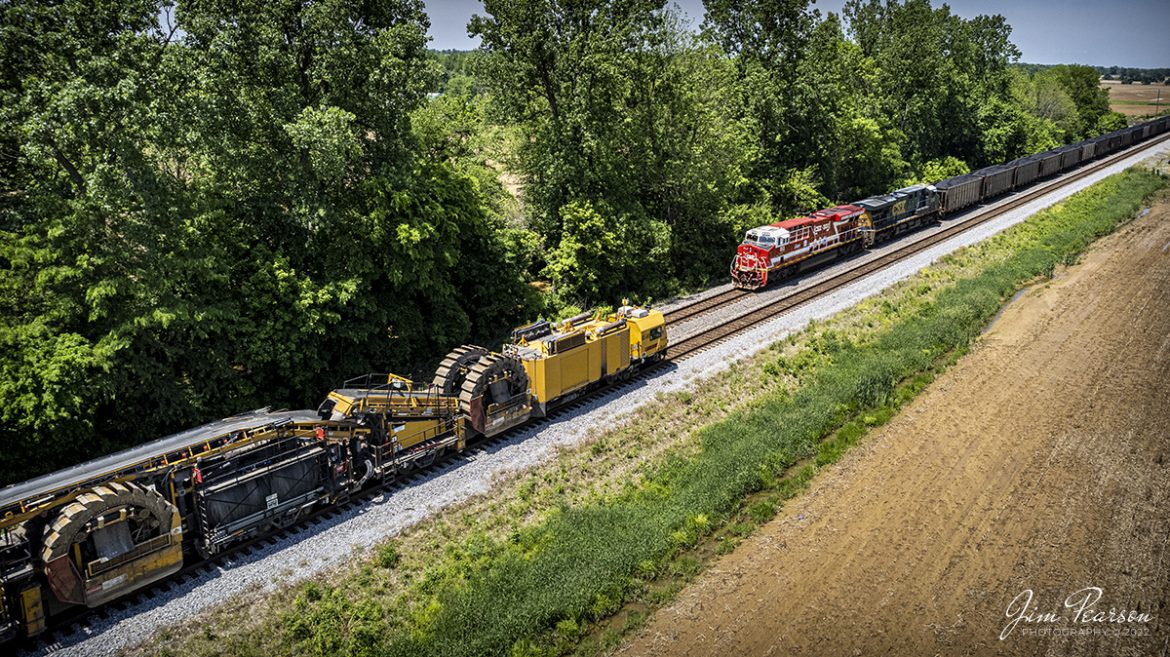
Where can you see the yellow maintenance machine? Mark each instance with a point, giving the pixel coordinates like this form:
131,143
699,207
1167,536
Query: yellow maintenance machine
418,423
99,530
545,363
566,359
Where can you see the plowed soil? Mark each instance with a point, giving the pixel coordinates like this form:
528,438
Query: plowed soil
1137,99
1040,461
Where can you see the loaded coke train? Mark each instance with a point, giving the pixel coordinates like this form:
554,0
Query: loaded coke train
778,250
99,530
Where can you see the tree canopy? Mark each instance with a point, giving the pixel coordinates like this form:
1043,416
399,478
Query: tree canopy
214,206
194,227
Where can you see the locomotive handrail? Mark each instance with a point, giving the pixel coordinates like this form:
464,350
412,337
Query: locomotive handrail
166,461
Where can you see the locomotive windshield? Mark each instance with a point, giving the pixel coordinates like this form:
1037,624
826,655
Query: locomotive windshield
762,240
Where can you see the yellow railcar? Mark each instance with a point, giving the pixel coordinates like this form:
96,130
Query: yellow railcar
567,358
411,415
86,535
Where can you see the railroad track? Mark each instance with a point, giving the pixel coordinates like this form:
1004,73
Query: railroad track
82,619
79,619
695,344
704,306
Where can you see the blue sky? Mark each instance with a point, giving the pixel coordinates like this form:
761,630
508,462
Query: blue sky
1099,32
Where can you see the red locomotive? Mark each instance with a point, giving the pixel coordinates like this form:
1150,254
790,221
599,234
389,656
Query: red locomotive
786,247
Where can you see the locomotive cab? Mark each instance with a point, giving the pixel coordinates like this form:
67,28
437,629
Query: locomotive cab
758,244
766,237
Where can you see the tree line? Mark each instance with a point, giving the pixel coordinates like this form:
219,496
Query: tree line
215,206
1129,75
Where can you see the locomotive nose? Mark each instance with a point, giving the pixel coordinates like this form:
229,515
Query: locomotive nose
750,255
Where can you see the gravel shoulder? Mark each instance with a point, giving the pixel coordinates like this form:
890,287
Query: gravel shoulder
339,541
1038,463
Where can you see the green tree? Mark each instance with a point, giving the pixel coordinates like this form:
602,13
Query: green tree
857,152
91,221
582,264
936,170
1066,102
1007,132
769,42
1110,121
562,71
233,219
1083,85
935,72
625,119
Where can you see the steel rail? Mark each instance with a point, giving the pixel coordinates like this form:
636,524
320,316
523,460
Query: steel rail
68,621
689,346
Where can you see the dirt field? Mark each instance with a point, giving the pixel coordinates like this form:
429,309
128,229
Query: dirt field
1136,99
1040,462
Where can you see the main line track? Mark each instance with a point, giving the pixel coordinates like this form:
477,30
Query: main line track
704,306
699,342
70,622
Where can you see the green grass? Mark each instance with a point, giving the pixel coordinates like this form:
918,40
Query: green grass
590,569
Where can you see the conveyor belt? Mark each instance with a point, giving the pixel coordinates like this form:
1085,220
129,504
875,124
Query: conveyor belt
141,454
386,393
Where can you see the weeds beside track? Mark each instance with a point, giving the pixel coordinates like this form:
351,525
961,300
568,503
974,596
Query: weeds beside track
540,588
902,248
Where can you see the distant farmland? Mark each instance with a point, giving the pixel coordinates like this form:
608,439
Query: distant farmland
1136,99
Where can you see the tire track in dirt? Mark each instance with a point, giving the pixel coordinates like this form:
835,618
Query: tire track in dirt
1039,461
